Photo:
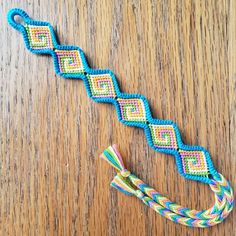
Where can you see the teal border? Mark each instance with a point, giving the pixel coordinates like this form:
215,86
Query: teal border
213,174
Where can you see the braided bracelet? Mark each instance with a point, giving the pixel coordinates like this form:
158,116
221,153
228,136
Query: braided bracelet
193,162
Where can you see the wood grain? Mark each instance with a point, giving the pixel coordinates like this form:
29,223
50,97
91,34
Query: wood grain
179,54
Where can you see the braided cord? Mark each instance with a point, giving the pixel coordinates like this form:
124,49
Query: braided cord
193,162
130,184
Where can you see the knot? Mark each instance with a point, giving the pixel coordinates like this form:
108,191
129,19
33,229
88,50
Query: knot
139,194
125,173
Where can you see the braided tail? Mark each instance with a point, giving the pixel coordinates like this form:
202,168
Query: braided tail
130,184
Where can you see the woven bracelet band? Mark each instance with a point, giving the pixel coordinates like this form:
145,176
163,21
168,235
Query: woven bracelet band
193,162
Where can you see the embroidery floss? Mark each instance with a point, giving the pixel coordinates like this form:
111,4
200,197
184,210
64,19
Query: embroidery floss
193,162
131,185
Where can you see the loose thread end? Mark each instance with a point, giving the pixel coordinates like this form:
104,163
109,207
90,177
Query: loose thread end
113,157
120,181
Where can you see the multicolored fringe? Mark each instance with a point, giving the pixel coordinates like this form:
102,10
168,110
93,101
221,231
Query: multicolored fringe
193,162
130,184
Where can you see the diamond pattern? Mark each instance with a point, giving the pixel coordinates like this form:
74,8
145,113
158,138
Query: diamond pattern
101,86
163,136
39,37
194,162
132,109
69,61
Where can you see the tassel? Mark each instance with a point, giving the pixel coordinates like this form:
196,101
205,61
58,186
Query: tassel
121,181
113,157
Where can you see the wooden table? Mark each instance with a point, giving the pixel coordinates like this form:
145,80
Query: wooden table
179,54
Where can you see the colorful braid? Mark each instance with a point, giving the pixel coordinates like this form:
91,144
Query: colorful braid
130,184
193,162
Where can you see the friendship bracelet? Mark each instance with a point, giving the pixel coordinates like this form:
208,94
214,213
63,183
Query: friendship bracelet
193,162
